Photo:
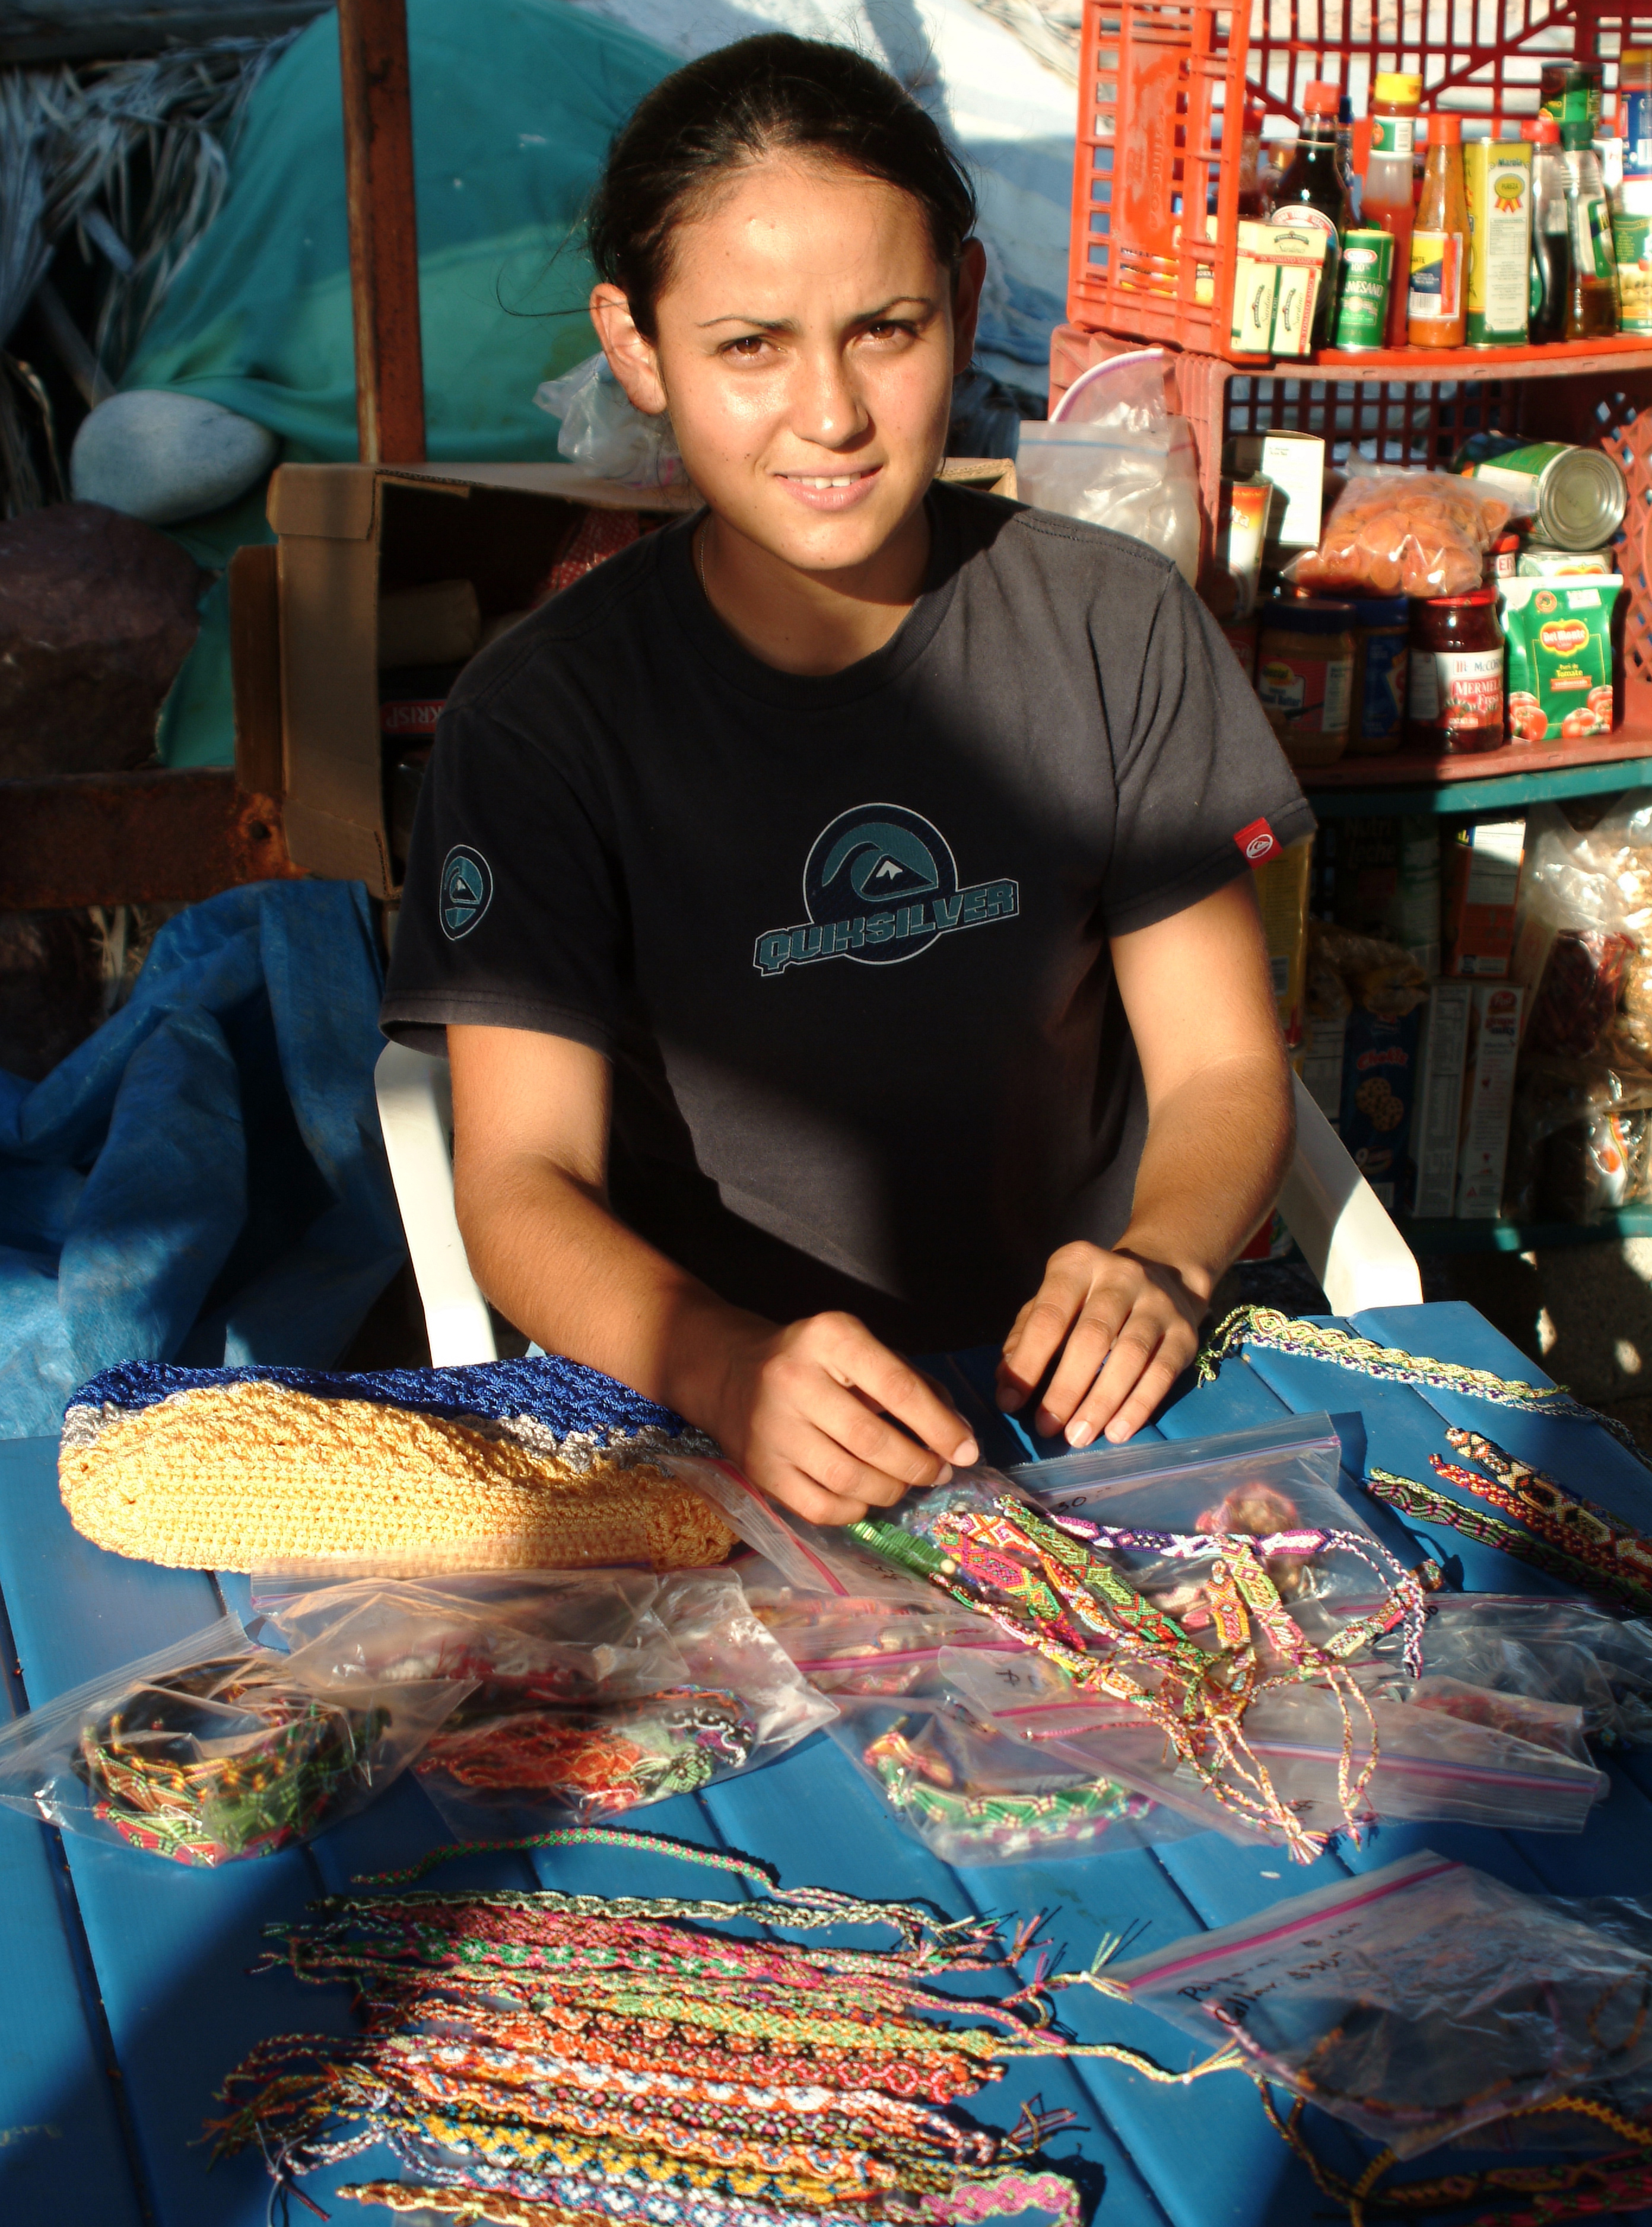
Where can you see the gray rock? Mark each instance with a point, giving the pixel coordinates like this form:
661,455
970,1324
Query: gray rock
163,457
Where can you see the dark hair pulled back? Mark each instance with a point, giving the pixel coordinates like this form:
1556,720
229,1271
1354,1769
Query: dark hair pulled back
728,109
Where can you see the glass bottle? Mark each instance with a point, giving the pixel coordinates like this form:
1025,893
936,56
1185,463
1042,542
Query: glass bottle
1438,313
1345,149
1252,195
1550,233
1312,196
1592,298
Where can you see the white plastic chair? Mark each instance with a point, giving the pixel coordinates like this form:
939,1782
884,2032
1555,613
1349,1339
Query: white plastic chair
1344,1233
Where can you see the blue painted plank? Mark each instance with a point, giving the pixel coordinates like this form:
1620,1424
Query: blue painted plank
62,2153
1584,1456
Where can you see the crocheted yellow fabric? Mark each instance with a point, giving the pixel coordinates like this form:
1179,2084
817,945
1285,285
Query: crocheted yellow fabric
239,1475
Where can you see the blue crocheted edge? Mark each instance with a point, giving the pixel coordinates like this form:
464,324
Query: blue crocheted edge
563,1396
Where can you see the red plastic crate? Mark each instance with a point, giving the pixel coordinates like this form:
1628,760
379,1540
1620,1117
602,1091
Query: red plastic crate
1158,77
1415,421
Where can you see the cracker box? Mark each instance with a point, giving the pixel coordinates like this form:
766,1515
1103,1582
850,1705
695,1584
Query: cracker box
1487,1099
1379,1089
1481,885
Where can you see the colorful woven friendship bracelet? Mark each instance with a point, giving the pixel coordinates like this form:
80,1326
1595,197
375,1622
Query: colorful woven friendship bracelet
1307,1341
1043,1583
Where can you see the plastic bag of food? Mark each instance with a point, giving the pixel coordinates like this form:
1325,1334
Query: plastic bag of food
1377,976
702,1691
601,429
1440,1751
1414,2002
216,1749
1573,939
973,1794
1578,1134
1114,456
1403,533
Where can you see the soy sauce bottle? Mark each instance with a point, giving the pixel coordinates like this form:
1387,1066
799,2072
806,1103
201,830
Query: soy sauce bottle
1550,234
1313,196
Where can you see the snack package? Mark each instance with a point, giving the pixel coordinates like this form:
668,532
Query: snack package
692,1689
1559,658
1573,934
1403,533
1415,2003
974,1794
1438,1751
1579,1136
216,1749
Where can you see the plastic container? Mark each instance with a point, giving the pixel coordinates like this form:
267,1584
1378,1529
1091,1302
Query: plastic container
1456,702
1387,201
1305,677
1437,315
1592,295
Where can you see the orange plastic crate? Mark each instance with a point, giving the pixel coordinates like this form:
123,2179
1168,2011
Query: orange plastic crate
1423,422
1158,78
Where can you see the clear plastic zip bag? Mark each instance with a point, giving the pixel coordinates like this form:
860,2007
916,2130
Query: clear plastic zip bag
1416,2002
698,1690
216,1749
850,1647
973,1794
1427,1764
1569,1651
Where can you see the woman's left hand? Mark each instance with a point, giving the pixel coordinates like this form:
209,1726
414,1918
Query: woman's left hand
1129,1327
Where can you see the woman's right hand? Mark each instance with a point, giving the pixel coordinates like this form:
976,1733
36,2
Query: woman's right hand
810,1413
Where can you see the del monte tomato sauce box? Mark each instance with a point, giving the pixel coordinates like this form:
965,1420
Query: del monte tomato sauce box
1559,636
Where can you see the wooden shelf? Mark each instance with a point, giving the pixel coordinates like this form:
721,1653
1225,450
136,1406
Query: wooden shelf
1435,1237
1365,787
1561,360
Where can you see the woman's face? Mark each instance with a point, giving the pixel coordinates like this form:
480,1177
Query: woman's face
806,345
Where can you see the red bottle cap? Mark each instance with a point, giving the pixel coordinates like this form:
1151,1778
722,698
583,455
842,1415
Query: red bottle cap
1445,130
1322,99
1253,119
1546,131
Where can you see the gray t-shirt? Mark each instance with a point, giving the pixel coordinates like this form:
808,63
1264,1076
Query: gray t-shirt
844,939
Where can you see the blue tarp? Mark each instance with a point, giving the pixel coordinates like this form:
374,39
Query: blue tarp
203,1179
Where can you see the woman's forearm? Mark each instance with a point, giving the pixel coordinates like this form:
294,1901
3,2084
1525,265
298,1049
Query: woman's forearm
553,1258
1216,1152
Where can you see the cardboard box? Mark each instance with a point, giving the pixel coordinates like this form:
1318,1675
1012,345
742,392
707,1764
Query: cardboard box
1487,1099
1281,886
1481,887
1320,1065
1437,1120
1379,1094
1296,464
348,532
1277,278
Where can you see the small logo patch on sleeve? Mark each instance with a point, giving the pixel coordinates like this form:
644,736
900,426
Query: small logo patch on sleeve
1259,843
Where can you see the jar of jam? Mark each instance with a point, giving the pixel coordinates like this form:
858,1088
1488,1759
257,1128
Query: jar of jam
1455,682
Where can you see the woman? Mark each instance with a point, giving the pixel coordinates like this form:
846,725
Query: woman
836,903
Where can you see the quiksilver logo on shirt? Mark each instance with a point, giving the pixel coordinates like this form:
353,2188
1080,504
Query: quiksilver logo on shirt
880,884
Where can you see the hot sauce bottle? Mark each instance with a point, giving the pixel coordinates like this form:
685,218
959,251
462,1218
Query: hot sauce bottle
1438,316
1387,202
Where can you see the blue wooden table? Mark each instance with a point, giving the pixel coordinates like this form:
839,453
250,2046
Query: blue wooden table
125,1991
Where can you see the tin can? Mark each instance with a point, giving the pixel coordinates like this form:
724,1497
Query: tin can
1635,110
1378,703
1498,178
1537,563
1578,496
1363,303
1632,238
1570,92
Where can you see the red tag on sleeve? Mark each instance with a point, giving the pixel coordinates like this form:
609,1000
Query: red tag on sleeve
1259,843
